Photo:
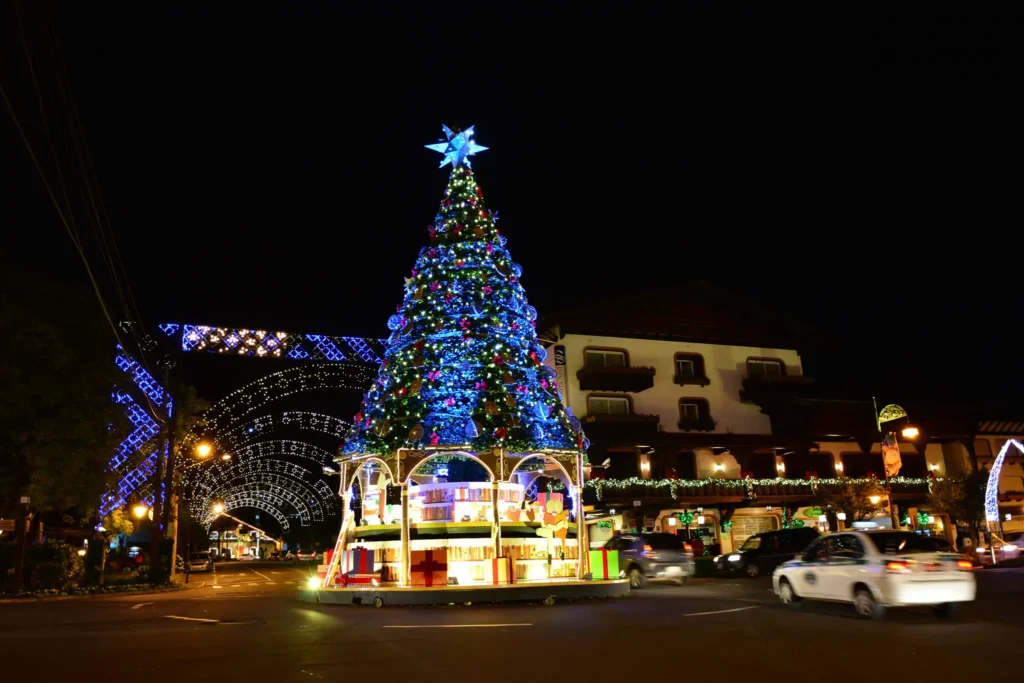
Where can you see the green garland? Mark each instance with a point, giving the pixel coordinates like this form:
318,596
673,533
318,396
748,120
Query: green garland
747,484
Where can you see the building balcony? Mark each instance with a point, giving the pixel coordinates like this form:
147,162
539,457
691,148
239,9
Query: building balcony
683,380
759,389
628,426
615,379
704,424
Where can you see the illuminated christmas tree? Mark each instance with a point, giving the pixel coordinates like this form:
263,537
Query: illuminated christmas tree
463,366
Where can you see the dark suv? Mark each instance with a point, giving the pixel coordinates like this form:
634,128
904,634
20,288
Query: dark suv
762,553
653,557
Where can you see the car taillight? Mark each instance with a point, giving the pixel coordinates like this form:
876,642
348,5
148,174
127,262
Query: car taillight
688,550
964,564
898,567
648,551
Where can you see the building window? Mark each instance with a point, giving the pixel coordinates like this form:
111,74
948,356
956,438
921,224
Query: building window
694,413
608,405
690,369
605,358
765,367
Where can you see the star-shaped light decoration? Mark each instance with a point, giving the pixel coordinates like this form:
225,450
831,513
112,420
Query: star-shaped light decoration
459,146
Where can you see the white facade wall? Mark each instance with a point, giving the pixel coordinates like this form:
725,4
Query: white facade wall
724,365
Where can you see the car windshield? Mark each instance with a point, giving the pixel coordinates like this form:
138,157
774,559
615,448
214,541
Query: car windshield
663,542
199,556
1015,537
752,543
903,542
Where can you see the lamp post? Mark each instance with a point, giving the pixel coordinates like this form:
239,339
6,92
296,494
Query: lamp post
891,418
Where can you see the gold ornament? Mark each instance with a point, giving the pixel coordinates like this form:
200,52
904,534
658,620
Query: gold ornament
490,407
416,433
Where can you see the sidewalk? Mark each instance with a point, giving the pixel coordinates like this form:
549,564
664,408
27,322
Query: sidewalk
113,594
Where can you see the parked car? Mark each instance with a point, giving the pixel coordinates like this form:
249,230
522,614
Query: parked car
653,557
874,570
274,556
762,553
200,562
305,555
289,556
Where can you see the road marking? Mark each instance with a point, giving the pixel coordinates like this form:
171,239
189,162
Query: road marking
723,611
141,604
204,621
461,625
258,574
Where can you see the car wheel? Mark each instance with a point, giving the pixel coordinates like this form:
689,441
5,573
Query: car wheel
636,577
752,571
946,610
866,606
787,595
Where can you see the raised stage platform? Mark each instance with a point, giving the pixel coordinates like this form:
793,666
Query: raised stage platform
548,593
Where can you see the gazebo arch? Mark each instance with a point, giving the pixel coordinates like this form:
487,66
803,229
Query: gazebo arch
449,454
564,473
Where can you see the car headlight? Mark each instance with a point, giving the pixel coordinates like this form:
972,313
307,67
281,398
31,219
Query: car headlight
313,583
717,558
734,557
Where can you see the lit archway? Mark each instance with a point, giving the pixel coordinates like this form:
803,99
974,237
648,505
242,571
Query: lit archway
992,488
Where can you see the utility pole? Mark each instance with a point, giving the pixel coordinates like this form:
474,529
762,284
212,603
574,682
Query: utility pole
160,488
170,516
22,536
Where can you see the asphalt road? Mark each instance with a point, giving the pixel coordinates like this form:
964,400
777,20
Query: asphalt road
243,622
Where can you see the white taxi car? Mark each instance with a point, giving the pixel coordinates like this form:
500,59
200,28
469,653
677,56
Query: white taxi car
874,570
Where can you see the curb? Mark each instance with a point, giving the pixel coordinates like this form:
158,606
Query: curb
59,598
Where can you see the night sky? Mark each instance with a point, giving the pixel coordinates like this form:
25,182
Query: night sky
263,165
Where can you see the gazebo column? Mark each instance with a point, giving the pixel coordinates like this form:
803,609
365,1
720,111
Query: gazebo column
404,577
346,514
496,520
581,527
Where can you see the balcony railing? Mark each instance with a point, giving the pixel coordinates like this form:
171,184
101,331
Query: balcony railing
683,380
702,424
615,379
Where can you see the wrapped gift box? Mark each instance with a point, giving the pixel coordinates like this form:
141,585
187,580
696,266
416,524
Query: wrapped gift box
359,561
604,564
429,567
550,502
499,571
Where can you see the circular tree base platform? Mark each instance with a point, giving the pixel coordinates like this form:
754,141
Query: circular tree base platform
547,593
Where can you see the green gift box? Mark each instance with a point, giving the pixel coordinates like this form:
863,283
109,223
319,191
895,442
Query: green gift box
604,564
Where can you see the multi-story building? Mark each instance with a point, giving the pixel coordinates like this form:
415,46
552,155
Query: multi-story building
694,400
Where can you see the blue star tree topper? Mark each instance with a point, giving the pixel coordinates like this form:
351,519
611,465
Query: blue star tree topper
459,146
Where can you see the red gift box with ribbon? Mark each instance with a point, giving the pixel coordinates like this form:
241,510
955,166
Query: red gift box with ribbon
429,568
358,561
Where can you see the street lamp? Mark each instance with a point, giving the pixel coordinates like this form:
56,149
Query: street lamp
204,449
218,508
226,456
891,418
140,510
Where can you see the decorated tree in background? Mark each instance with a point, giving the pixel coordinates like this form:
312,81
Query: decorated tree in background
853,496
463,366
962,497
